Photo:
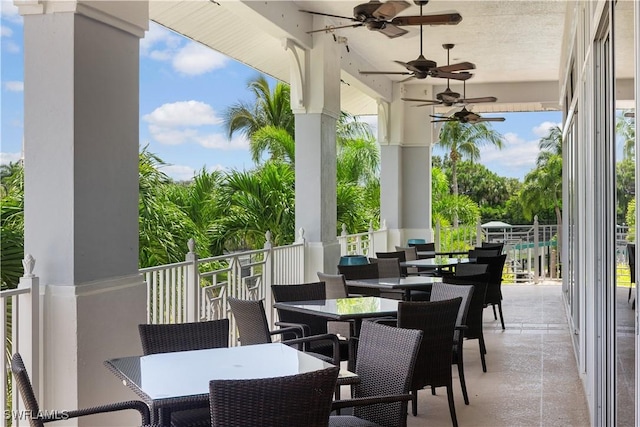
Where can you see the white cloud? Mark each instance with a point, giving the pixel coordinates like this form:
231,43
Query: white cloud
195,59
169,136
220,141
5,31
189,59
159,43
187,122
14,86
543,128
183,113
9,12
522,156
6,158
179,172
10,47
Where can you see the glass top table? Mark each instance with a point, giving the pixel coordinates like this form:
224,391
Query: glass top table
356,309
170,379
421,283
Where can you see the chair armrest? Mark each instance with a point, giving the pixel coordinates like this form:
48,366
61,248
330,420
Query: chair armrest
322,337
462,327
111,407
296,330
365,401
306,331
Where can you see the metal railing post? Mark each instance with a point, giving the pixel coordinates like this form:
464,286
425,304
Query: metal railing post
436,237
536,249
26,337
479,233
192,288
268,278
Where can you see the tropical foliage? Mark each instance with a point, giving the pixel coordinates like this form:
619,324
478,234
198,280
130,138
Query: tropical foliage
463,141
11,223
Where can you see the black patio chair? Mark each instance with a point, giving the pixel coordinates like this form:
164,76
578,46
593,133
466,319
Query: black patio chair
471,274
493,245
312,325
425,247
631,253
494,278
356,272
38,418
295,400
166,338
251,321
385,364
437,321
336,288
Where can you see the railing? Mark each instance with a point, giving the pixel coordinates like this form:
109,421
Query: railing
19,336
367,243
198,289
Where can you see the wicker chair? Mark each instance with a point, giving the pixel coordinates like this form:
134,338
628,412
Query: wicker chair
251,321
494,291
31,404
386,360
484,252
493,245
442,292
631,253
410,254
295,400
165,338
425,247
474,320
387,267
437,321
312,325
357,272
336,288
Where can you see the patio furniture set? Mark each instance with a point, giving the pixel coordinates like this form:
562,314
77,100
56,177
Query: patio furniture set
397,334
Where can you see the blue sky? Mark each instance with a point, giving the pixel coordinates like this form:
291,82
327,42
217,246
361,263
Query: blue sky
184,90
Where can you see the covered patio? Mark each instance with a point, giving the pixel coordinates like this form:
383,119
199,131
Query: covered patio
81,153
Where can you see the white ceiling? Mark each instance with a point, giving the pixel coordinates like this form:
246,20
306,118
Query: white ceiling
509,40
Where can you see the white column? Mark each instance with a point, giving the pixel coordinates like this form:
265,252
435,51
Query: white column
81,192
317,107
405,176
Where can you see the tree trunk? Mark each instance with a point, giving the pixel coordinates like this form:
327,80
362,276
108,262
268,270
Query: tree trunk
454,179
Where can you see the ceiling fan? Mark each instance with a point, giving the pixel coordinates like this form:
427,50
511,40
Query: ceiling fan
465,116
378,16
449,98
421,68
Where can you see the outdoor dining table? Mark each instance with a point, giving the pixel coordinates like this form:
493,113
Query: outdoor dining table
356,308
437,263
431,254
166,380
407,284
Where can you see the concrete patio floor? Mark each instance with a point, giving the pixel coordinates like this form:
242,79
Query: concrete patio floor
531,378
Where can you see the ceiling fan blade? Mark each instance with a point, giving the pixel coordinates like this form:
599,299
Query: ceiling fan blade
405,73
457,67
442,121
331,28
429,104
453,76
630,114
392,31
439,116
440,19
390,9
490,119
328,14
409,67
479,100
421,100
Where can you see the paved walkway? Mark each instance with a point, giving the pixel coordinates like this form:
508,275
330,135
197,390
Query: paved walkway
531,378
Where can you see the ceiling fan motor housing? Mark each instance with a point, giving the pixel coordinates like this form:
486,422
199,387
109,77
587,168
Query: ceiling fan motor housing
364,12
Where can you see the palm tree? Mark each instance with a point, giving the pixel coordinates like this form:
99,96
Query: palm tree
542,187
463,141
268,109
625,127
11,224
